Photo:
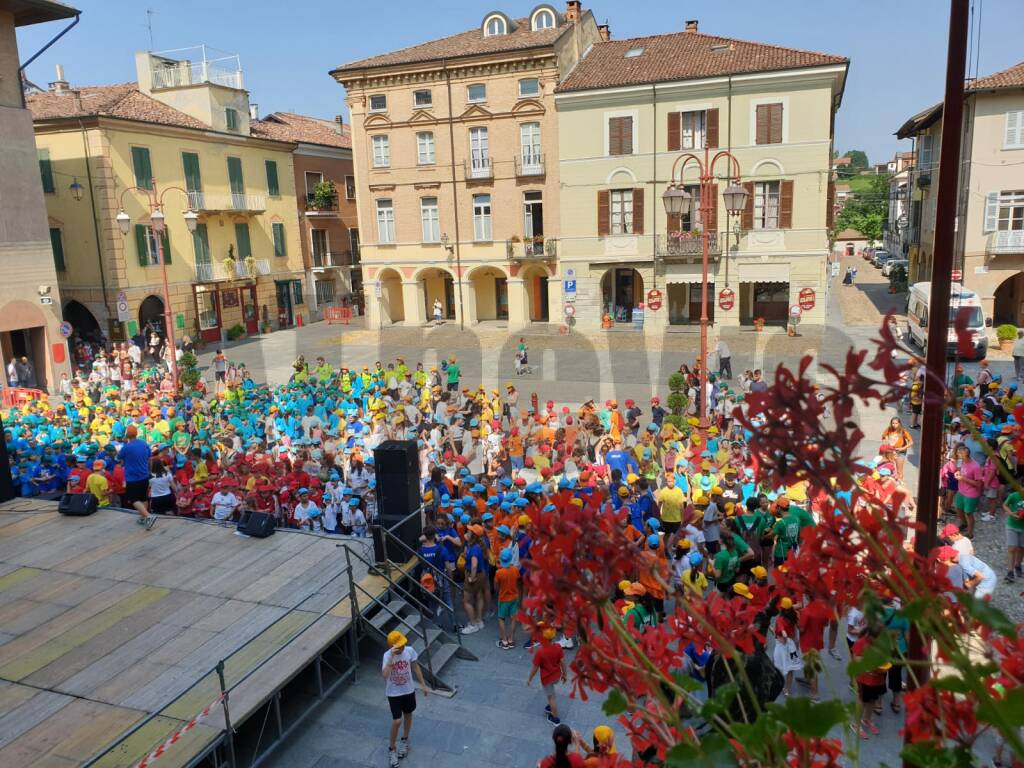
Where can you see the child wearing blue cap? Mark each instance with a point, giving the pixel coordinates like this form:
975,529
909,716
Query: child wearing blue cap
506,579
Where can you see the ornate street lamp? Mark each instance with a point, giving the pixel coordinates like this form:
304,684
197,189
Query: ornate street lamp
76,190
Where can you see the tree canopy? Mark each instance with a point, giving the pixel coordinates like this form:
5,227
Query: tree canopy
866,211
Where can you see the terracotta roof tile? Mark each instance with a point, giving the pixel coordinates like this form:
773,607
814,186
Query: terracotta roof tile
286,126
1008,78
683,56
468,43
122,100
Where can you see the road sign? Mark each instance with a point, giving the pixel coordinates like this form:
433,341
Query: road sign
570,273
378,290
65,329
123,315
122,296
570,310
957,275
570,286
46,299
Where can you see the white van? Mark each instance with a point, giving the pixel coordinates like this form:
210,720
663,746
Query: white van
959,298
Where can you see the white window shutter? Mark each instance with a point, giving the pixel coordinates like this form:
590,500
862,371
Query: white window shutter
991,211
1014,128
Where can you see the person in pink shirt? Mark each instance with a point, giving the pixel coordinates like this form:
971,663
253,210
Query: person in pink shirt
970,479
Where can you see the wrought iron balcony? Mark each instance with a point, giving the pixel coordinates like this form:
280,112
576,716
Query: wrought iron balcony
330,259
536,248
686,246
1006,241
216,203
529,164
214,271
478,168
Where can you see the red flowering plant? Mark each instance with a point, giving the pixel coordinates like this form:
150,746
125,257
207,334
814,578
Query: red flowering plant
968,683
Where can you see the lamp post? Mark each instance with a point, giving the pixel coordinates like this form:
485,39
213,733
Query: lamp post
155,200
678,202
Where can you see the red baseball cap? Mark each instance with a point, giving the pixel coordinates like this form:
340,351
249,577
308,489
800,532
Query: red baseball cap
947,553
949,529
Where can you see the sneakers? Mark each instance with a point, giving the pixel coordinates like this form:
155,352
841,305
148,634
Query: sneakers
469,629
1019,571
529,644
1009,579
566,642
403,747
547,709
553,720
150,522
392,758
140,520
987,518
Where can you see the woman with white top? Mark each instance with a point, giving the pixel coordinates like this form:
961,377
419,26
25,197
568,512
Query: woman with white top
161,489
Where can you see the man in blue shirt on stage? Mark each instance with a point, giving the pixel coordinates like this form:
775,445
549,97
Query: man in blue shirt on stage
135,455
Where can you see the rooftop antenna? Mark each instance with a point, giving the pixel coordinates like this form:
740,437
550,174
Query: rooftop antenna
149,26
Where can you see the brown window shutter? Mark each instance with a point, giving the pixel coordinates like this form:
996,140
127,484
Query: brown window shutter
830,205
614,137
786,204
674,140
638,211
603,224
761,136
775,124
627,135
673,223
748,212
711,127
712,214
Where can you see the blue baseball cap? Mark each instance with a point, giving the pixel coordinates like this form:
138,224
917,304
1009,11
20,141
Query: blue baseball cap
468,502
492,501
655,523
504,530
535,488
478,488
487,516
506,556
521,502
653,540
696,558
506,505
549,508
465,519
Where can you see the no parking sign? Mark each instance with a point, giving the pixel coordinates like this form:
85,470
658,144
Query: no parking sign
65,329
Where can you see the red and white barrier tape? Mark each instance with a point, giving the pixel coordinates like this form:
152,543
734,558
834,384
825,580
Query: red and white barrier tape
157,753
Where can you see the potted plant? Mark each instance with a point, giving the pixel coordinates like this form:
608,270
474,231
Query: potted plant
229,262
1007,335
250,265
677,402
758,324
323,195
897,279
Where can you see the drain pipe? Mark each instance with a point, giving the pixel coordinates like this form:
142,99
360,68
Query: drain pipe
95,223
455,198
40,52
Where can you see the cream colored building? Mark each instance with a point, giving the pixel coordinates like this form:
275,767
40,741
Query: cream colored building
30,301
990,231
628,111
183,129
456,160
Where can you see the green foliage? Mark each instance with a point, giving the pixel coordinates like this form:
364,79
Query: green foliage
927,754
677,400
323,194
898,278
188,371
858,159
679,422
236,331
988,614
714,751
805,718
615,704
866,211
1006,332
878,653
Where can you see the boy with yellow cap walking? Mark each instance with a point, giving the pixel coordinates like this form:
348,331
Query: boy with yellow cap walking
400,661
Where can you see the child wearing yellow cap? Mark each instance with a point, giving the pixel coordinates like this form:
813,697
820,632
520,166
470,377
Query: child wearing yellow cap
400,661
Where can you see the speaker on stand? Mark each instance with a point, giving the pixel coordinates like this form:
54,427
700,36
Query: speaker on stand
397,466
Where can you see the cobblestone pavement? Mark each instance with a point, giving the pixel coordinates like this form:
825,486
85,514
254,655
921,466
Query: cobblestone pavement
494,720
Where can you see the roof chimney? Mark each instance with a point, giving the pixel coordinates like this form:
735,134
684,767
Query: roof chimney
339,124
573,10
691,25
605,31
254,111
60,85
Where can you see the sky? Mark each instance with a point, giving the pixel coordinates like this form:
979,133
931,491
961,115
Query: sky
897,48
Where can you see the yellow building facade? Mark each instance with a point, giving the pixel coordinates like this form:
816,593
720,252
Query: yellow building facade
627,113
455,146
127,147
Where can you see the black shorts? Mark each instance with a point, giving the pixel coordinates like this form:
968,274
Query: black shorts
136,490
220,375
870,693
915,408
669,528
402,705
453,386
163,505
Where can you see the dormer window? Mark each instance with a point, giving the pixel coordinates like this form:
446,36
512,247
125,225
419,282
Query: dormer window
543,18
495,25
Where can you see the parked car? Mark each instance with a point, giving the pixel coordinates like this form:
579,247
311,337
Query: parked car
867,253
880,257
891,264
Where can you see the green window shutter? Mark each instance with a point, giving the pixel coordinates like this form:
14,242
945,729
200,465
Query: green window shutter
140,244
58,249
167,246
273,188
235,176
297,292
193,179
46,170
201,244
142,167
242,240
279,245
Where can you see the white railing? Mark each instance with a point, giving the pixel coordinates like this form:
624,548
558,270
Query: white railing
479,168
168,73
1007,241
208,272
530,164
201,201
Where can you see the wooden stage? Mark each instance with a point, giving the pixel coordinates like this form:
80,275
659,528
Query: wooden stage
103,624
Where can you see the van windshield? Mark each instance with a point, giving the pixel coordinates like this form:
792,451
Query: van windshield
974,317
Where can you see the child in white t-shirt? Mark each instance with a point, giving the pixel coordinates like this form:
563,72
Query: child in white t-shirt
330,513
359,523
307,514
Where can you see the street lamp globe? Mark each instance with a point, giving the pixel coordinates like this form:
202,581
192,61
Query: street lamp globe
736,197
157,221
677,201
123,222
191,220
76,190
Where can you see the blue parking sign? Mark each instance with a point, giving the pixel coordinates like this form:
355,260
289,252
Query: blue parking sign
570,286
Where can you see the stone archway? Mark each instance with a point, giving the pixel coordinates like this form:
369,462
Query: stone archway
490,293
438,285
82,320
1008,305
622,291
392,300
535,284
151,310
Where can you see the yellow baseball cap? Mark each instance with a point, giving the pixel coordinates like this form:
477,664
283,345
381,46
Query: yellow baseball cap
396,638
785,603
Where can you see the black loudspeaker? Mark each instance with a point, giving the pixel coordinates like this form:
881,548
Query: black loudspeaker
398,480
6,483
259,525
77,504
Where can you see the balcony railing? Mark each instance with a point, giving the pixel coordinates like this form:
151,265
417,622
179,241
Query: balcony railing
204,201
537,247
331,259
213,271
529,164
686,245
193,66
1006,241
478,168
314,205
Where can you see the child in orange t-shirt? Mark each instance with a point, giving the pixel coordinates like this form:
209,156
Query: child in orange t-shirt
506,579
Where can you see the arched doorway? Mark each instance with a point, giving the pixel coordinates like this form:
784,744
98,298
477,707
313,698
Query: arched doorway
1009,297
392,301
438,285
151,310
82,321
535,280
490,292
622,291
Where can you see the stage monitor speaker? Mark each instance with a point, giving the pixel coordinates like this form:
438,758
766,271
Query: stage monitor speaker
259,525
6,482
77,504
398,480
